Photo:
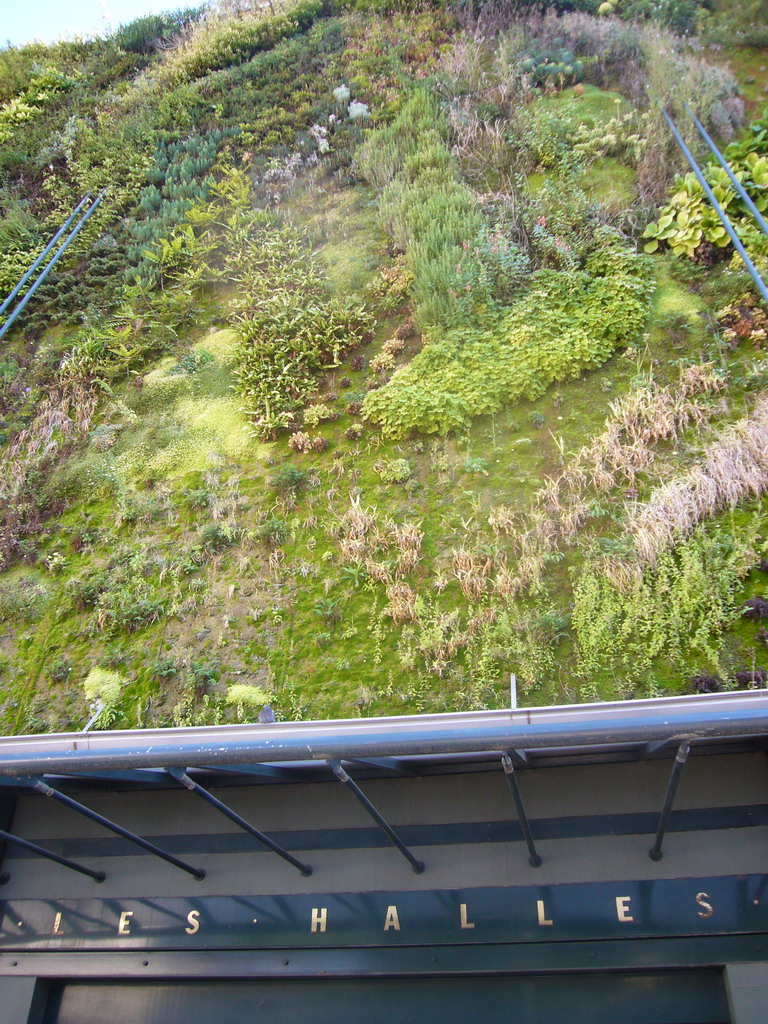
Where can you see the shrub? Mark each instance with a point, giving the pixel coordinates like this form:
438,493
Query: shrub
288,478
565,323
392,471
315,414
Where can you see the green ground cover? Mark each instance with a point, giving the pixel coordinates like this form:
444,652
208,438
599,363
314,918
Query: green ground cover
390,404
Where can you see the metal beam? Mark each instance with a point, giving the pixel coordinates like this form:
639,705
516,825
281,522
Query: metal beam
195,787
269,771
680,758
9,837
721,716
342,776
509,772
390,764
39,786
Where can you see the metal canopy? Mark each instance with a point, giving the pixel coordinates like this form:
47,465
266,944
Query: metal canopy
590,732
287,753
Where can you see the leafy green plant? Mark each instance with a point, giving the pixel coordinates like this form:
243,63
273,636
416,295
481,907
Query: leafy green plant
688,225
566,322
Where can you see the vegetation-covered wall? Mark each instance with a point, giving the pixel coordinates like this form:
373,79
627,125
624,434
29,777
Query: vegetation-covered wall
401,355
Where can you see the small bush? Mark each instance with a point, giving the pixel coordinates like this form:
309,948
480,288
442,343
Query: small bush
288,479
392,471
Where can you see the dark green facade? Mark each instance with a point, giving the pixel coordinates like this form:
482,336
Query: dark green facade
598,933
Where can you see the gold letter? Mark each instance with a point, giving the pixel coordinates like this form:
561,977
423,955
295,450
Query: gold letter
464,922
391,920
124,927
57,924
541,912
194,922
319,919
701,900
622,908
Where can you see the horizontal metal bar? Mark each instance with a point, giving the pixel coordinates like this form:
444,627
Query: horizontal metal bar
712,716
204,794
9,837
39,786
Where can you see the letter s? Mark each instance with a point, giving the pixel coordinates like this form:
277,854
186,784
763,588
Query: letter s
194,922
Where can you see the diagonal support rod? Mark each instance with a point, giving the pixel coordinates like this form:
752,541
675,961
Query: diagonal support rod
509,772
33,782
9,837
194,787
677,768
342,776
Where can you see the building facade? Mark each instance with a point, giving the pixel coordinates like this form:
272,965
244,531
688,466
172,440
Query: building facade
596,863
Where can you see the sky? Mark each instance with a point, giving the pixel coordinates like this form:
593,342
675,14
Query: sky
49,20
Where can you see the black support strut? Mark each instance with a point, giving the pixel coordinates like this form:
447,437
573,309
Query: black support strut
509,772
194,787
42,787
342,776
9,837
677,768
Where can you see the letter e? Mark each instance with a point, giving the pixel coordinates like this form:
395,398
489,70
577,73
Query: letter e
622,908
124,925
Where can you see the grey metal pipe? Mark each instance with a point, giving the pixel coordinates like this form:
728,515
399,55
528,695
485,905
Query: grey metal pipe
727,168
716,716
514,787
737,243
383,824
39,786
9,837
195,787
56,257
677,769
28,273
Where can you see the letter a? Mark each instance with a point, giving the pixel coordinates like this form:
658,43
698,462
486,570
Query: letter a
391,920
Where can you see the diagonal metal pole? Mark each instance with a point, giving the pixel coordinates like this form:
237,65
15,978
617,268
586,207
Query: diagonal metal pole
9,837
9,299
39,786
342,776
194,787
727,168
677,768
737,243
49,267
509,771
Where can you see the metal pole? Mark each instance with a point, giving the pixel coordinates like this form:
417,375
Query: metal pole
718,209
509,771
42,787
342,776
9,837
57,256
680,758
44,253
181,776
726,167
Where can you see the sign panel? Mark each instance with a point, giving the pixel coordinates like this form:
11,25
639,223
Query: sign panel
634,909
